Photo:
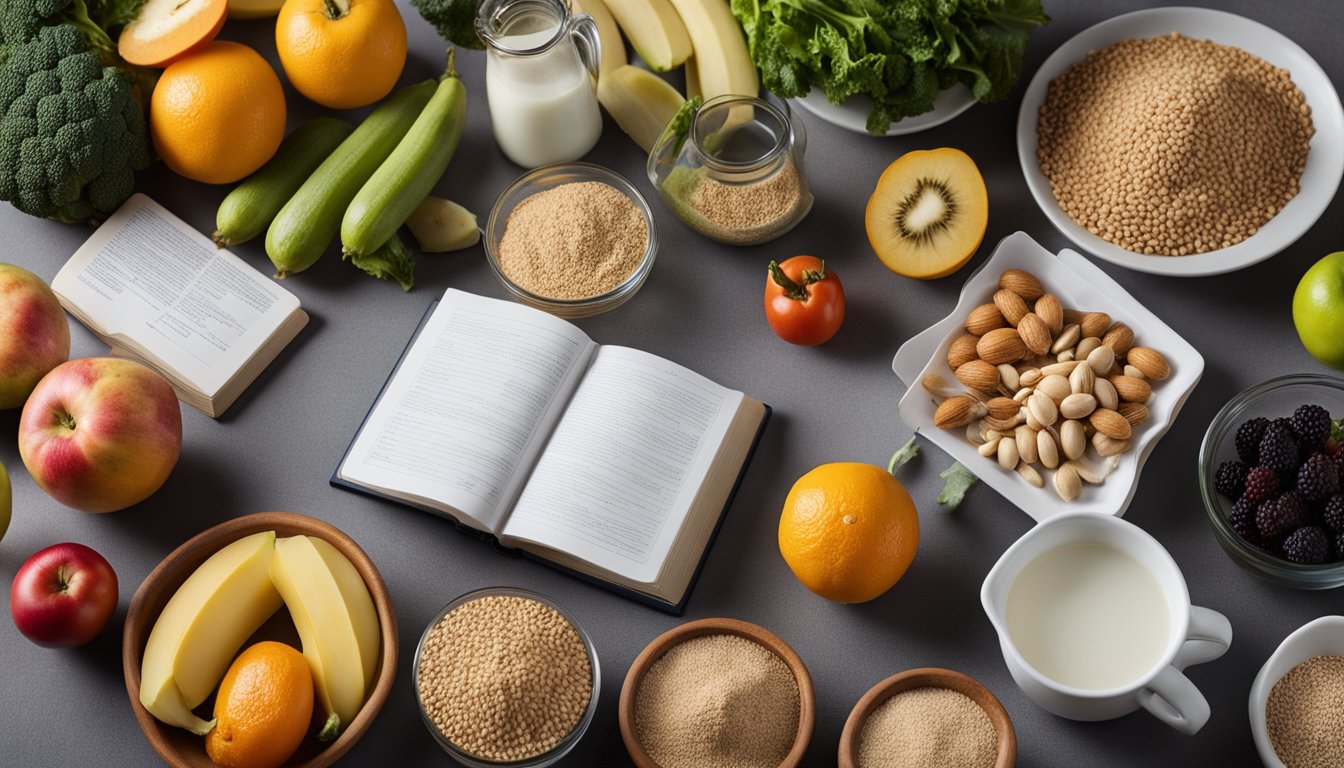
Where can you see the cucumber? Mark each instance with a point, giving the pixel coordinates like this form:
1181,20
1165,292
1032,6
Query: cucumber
409,174
250,207
304,228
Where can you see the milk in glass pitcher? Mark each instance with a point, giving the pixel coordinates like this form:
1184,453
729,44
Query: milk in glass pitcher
540,79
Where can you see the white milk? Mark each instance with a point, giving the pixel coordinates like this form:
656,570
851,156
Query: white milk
1089,616
543,107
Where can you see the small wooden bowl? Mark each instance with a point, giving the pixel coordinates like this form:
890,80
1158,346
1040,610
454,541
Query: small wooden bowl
181,748
807,713
929,677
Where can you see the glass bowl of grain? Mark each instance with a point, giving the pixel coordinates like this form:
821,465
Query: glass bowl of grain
933,717
717,692
506,677
572,239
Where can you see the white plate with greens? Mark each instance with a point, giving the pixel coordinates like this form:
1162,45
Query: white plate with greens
1325,159
853,113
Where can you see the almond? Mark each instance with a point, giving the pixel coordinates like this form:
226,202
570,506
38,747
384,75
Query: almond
1110,423
1051,311
1030,377
1059,369
1026,444
1150,361
978,375
989,449
1108,446
1001,345
1082,379
958,411
1068,339
1067,483
1030,474
1105,393
1130,389
1007,453
1034,332
1043,409
1022,283
961,351
1086,346
1119,338
984,319
1047,449
1094,323
1009,380
1101,359
1010,305
1130,370
1072,439
1056,386
1134,413
1077,406
1003,407
1072,316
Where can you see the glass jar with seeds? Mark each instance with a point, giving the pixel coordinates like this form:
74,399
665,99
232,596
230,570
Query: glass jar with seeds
732,169
506,677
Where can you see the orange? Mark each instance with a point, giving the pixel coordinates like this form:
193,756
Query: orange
218,113
848,531
341,53
262,709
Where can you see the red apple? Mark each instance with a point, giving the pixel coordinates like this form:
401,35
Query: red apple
101,433
63,596
34,334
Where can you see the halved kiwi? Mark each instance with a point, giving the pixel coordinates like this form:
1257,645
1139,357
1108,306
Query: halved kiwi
928,214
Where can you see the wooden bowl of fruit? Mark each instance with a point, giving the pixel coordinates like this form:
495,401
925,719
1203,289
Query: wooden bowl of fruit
271,576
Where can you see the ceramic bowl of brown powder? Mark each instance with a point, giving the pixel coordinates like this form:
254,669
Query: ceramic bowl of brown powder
717,693
505,677
928,718
1297,699
573,239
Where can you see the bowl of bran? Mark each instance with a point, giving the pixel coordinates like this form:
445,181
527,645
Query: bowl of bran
572,239
717,692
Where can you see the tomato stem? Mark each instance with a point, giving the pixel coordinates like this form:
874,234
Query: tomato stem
792,288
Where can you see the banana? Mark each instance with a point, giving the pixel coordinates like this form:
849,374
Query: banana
358,603
722,64
640,102
441,225
655,30
202,627
326,629
613,45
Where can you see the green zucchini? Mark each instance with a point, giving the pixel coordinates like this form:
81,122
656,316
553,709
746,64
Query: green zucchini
304,228
250,207
409,174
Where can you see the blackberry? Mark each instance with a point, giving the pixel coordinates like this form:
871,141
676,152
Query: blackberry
1318,478
1311,424
1333,513
1230,479
1249,435
1307,545
1242,520
1279,515
1339,547
1278,449
1261,485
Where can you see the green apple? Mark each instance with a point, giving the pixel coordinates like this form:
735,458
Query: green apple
6,501
1318,310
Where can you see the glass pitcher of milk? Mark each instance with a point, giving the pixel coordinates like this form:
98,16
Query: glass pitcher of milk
540,79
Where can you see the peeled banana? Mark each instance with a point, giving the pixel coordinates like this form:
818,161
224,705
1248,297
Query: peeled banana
613,45
441,225
722,63
640,102
655,30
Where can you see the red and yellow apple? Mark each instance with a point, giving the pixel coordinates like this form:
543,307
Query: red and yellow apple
101,433
63,596
34,334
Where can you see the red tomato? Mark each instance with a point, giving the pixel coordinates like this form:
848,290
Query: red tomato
804,301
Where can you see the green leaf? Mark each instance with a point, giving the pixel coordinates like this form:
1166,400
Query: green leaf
959,480
1337,430
390,262
903,455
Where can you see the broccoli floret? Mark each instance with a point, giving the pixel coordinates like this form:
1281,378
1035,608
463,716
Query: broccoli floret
454,19
72,134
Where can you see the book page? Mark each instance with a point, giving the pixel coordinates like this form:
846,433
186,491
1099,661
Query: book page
148,277
471,402
614,482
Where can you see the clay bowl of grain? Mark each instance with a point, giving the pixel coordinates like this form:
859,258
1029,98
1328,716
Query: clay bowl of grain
927,715
181,748
717,692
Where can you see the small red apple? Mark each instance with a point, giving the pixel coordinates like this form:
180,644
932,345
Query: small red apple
101,433
34,333
63,596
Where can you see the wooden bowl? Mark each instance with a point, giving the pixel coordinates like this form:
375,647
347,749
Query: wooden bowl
1004,735
654,651
181,748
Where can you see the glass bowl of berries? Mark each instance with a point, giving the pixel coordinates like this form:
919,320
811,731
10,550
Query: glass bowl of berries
1271,471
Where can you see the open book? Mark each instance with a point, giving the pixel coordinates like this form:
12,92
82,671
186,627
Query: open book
606,461
160,292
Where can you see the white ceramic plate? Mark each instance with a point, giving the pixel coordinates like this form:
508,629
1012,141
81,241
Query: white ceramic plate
853,113
1079,284
1325,161
1322,637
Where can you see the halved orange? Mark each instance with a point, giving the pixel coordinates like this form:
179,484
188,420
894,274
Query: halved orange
167,29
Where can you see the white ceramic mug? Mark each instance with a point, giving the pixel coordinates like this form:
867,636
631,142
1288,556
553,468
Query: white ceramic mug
1196,634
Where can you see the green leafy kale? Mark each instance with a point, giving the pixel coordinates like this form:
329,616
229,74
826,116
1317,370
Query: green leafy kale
959,480
454,19
903,455
900,53
391,261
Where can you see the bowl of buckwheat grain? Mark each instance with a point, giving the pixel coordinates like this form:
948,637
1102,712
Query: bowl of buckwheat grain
1294,706
506,676
1181,141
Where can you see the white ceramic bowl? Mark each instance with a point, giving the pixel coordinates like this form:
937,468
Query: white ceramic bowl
1322,637
1325,161
852,114
1079,284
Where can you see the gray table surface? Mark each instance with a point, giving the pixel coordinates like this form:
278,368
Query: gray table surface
701,307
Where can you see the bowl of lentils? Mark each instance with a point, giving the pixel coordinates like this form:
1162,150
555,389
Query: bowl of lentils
572,239
717,693
506,677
